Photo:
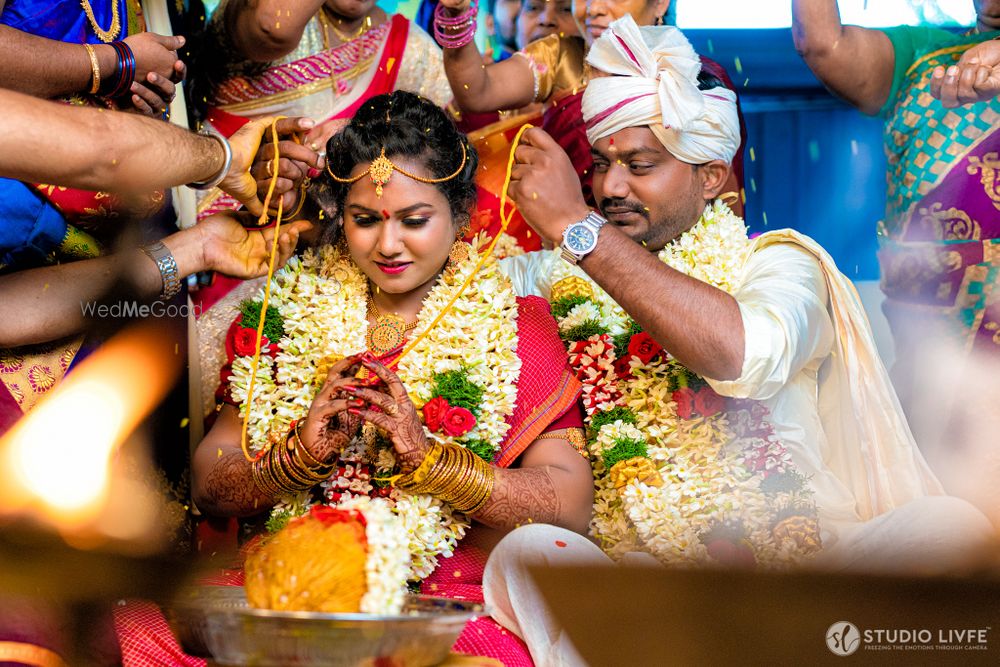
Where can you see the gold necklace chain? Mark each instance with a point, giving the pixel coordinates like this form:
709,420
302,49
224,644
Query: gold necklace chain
111,34
366,25
376,314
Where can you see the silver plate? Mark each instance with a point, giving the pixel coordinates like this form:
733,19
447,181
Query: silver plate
217,622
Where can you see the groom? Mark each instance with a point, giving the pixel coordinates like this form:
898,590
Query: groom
790,334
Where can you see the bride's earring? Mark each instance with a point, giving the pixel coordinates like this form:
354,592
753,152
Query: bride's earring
460,252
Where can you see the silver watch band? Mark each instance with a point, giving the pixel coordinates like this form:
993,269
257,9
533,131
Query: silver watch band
226,163
168,269
594,222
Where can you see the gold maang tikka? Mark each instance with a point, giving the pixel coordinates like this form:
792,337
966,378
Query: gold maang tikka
382,167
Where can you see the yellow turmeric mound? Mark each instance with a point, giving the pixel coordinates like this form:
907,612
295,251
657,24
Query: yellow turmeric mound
315,563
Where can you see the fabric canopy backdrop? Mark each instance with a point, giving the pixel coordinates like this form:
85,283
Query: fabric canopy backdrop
812,163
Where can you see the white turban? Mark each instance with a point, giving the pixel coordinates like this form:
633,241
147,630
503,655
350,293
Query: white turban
655,84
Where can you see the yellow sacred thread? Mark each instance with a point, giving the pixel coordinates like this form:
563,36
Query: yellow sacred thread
262,220
505,218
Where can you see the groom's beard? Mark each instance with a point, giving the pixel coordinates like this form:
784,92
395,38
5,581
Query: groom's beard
631,216
659,223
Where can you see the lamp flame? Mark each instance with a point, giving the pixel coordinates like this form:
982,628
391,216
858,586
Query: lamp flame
59,459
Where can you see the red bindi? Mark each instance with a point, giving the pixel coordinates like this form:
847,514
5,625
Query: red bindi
560,544
385,214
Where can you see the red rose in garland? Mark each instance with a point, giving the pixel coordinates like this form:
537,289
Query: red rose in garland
684,398
244,343
434,412
458,422
622,368
708,403
644,347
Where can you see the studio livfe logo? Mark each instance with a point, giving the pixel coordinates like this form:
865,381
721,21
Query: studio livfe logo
843,638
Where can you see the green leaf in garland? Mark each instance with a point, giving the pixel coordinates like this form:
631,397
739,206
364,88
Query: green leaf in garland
583,331
482,449
623,450
605,417
456,388
277,521
788,481
562,307
274,326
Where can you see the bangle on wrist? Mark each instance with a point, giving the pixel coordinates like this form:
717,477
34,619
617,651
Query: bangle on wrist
124,74
226,162
167,265
454,32
95,70
454,475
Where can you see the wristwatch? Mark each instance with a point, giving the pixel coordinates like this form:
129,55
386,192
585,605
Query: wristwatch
165,262
580,238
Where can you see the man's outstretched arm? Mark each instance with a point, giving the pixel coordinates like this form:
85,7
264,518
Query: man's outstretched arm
96,149
699,324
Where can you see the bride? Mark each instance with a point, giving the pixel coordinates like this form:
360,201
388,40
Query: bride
377,367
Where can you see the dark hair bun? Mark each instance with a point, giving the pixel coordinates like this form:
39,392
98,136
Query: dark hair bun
406,125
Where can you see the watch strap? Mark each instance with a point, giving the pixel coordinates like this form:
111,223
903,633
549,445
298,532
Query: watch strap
167,265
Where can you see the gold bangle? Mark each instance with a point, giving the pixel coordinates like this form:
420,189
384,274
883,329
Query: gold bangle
287,484
95,68
474,488
417,477
263,481
299,472
301,452
453,475
298,477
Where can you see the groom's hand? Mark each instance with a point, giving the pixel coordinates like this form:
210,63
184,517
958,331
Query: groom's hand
545,187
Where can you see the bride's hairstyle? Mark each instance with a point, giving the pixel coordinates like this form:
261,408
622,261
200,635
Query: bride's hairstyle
405,125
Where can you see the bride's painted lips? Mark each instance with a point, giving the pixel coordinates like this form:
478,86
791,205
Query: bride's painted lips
393,269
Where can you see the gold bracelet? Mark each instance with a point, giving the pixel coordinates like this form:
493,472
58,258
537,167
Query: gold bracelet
419,476
264,481
299,472
283,458
95,68
453,475
301,452
287,484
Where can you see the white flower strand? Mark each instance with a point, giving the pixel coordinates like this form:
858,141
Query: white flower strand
322,299
702,482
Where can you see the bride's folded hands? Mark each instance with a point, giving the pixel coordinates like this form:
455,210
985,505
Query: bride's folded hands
330,425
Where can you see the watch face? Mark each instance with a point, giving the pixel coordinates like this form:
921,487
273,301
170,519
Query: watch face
580,239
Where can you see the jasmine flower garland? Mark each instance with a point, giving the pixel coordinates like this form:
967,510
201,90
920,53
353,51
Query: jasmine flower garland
681,472
321,299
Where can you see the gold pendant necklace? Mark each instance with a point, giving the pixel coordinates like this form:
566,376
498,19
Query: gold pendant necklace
366,24
111,34
388,332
